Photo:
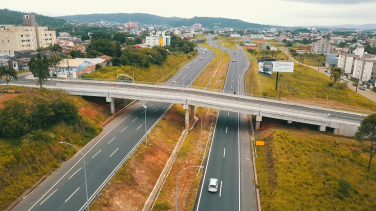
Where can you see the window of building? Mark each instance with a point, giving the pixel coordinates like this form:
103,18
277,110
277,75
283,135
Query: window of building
27,16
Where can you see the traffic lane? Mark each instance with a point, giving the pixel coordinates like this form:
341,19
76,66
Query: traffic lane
223,166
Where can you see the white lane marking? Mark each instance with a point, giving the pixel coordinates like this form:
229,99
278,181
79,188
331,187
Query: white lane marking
224,152
228,113
156,110
124,129
77,162
143,112
220,190
114,152
96,154
48,197
239,159
72,195
135,119
111,140
75,173
151,105
226,128
139,127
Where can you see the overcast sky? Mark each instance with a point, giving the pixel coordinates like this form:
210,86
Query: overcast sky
275,12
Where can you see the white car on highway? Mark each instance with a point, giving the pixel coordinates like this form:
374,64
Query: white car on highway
213,185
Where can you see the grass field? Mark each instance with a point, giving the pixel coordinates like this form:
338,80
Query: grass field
311,59
154,73
303,85
222,59
299,169
24,161
228,42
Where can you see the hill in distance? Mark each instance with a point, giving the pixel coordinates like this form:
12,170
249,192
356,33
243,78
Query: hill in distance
10,17
155,19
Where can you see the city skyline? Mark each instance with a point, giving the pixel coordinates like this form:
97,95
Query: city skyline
272,12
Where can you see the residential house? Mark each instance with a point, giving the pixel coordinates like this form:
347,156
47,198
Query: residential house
72,68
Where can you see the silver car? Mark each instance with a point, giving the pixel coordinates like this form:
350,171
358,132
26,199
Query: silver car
213,185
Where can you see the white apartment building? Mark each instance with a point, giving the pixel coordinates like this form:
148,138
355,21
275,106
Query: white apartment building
360,65
29,36
321,47
159,39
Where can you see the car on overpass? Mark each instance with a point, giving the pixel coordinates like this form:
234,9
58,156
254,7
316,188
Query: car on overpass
213,185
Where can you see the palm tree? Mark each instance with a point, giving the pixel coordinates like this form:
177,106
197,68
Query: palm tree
336,74
8,72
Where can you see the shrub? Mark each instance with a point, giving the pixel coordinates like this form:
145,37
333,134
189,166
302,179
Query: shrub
344,186
162,206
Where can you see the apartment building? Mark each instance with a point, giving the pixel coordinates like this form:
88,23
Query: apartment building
28,36
159,39
359,64
321,47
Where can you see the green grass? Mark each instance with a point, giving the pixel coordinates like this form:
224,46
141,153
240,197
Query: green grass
302,85
154,73
24,161
311,59
301,170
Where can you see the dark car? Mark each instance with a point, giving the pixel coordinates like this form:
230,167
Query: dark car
355,84
362,88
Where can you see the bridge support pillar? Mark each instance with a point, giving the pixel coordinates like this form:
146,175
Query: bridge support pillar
112,104
125,102
258,122
322,128
186,117
192,112
336,131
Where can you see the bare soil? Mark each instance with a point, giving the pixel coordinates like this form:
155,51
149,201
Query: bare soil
5,97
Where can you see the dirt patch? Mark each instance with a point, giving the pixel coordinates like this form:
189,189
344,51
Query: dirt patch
90,113
5,97
131,186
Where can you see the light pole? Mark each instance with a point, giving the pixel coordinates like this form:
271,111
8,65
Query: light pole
201,135
326,101
146,130
83,156
177,183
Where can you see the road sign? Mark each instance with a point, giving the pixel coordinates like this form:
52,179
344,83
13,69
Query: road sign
260,143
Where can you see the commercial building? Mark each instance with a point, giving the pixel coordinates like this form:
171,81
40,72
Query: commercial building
131,25
331,60
29,36
257,36
360,65
159,39
235,35
321,47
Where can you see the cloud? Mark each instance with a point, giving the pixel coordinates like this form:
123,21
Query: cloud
332,1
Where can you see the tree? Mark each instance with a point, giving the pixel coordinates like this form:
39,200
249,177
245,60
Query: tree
268,48
55,48
101,46
119,37
76,54
138,40
98,66
65,111
368,129
100,35
53,61
288,44
8,72
85,37
117,49
13,121
41,113
336,74
39,68
305,41
130,41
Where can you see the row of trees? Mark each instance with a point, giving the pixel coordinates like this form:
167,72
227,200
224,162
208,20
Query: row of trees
19,117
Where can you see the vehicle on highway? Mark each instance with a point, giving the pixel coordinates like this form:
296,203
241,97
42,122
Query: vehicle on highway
201,58
362,88
234,53
225,49
233,60
213,185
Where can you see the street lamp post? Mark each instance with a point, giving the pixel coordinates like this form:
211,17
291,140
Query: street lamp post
176,208
201,135
326,101
146,130
83,156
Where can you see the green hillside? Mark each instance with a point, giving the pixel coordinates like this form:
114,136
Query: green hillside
10,17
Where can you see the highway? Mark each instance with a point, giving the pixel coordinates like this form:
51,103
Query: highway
65,188
223,160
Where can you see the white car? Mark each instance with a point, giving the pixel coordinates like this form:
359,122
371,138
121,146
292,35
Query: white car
201,58
213,185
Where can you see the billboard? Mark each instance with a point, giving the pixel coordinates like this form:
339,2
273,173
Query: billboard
283,67
260,41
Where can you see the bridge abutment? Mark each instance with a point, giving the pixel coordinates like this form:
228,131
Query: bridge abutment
322,128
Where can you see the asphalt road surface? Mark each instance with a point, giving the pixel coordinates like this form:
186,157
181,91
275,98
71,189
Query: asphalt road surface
65,189
223,160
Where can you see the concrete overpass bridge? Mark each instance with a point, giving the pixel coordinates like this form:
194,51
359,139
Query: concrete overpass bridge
344,123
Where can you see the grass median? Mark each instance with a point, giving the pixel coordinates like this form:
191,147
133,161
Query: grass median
214,75
301,169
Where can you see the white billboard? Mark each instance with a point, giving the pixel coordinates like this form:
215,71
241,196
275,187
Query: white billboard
283,67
